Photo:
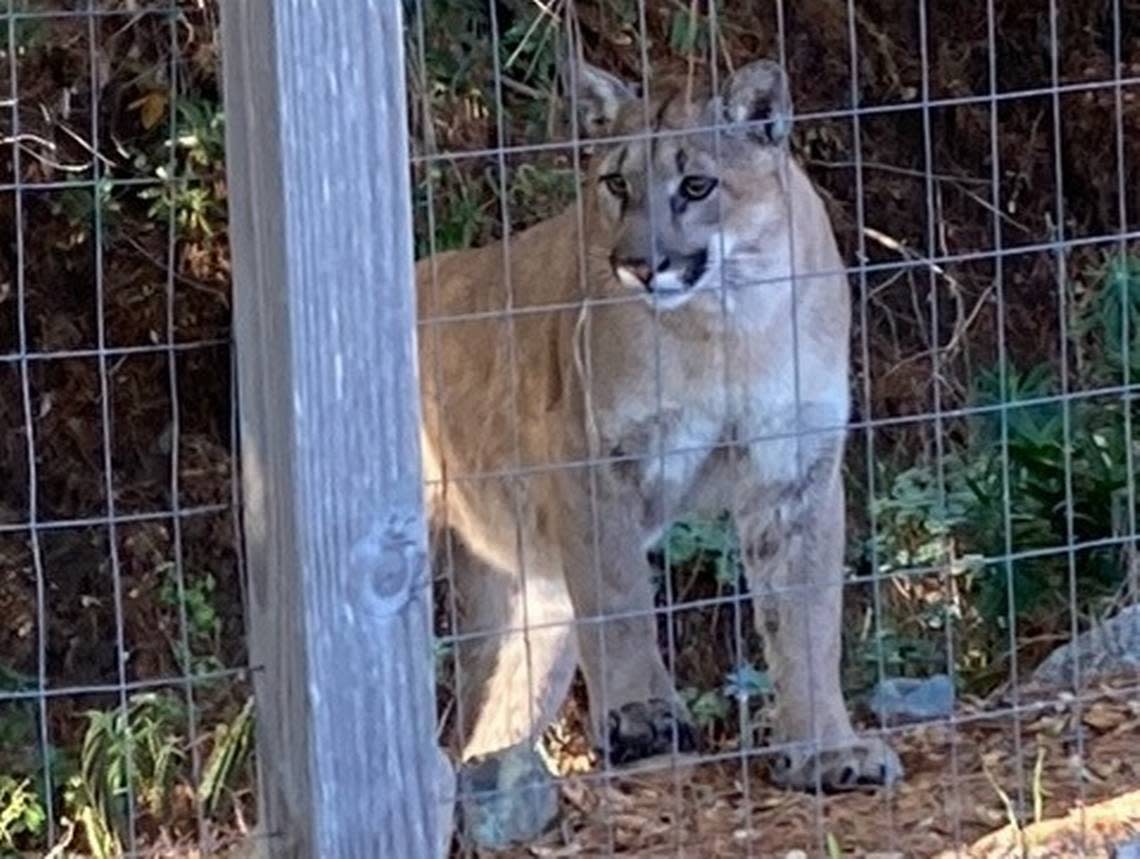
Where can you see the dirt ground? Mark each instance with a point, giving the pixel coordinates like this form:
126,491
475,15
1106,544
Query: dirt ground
963,786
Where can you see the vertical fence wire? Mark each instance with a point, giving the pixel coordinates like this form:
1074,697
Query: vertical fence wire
1133,584
447,548
661,453
43,731
121,650
512,355
866,391
176,434
574,57
1003,387
1063,287
740,654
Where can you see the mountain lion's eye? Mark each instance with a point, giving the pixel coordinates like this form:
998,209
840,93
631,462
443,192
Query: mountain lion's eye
616,185
697,187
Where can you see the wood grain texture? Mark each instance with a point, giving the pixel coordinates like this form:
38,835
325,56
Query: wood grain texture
324,319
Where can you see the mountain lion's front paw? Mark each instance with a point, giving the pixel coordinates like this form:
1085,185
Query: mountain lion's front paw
865,762
645,729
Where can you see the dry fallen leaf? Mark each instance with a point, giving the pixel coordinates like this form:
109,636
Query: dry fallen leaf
1103,716
151,108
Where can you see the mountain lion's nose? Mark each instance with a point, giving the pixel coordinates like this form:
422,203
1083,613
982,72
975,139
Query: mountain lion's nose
640,269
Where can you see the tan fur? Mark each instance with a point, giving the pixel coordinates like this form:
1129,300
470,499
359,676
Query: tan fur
567,419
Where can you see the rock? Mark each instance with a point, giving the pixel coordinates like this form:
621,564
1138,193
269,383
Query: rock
1109,648
902,699
1128,850
507,797
445,794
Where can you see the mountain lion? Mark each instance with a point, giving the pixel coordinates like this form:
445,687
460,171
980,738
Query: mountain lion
676,342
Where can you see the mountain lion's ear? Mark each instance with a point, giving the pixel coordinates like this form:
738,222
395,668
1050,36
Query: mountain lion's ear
600,95
757,94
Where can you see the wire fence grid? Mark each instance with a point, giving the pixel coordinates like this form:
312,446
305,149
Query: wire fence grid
972,353
125,680
978,166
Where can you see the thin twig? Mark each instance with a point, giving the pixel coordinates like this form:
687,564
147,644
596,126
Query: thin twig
181,278
49,162
55,122
891,168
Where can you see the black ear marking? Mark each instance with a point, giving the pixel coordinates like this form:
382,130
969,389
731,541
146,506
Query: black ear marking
757,96
762,112
761,109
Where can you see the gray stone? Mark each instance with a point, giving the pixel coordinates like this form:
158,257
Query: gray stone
1128,850
445,794
904,699
1109,648
507,797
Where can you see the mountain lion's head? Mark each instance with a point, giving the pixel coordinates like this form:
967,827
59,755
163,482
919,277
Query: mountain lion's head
674,206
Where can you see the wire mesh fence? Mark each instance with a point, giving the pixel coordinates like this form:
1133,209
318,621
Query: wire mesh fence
124,706
777,367
635,394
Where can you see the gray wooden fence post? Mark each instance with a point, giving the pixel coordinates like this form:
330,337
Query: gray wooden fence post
320,224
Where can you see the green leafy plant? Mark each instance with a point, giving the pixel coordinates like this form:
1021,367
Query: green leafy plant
743,684
1111,320
707,707
203,622
459,209
193,192
194,205
201,133
197,596
918,515
85,805
1032,471
138,751
22,812
76,208
688,33
539,191
697,543
230,750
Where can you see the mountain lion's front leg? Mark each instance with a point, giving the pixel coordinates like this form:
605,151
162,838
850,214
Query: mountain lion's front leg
635,712
792,540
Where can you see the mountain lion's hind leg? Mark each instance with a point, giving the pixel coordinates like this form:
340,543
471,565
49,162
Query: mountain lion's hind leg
792,541
511,681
